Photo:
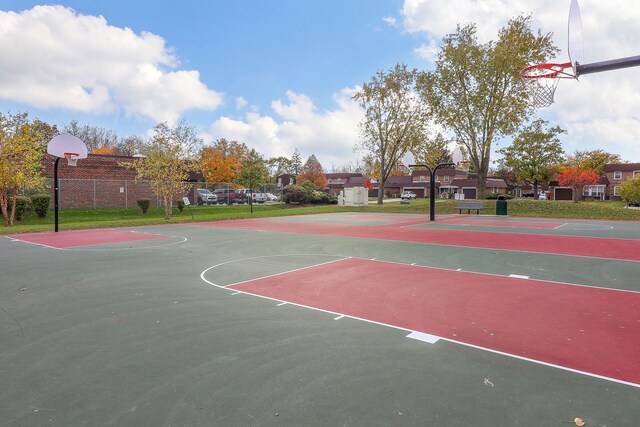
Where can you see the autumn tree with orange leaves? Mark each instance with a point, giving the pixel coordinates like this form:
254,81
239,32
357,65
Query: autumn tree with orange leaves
312,171
577,178
221,162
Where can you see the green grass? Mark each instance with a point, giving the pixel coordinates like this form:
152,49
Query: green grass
73,219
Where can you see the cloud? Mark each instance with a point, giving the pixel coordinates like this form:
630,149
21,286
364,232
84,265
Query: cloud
240,102
600,111
297,123
54,58
390,20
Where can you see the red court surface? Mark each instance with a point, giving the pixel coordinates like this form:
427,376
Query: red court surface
586,329
70,239
622,249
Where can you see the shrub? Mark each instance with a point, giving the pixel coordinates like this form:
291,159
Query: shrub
294,194
22,204
180,205
308,185
40,204
144,204
494,196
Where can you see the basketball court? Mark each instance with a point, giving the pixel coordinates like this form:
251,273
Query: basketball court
333,319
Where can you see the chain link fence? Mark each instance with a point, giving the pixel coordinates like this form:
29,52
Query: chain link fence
101,193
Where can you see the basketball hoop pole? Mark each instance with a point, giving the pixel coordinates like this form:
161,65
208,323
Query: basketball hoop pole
56,189
614,64
432,190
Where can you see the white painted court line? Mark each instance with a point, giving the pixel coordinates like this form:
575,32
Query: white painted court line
518,276
236,293
421,336
281,304
339,317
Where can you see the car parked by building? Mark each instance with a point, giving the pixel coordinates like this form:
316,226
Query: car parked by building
406,195
206,197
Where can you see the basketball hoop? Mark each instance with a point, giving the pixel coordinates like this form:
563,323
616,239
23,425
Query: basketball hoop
463,165
541,81
72,158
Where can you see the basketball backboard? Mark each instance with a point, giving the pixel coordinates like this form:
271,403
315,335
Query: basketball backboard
67,144
575,40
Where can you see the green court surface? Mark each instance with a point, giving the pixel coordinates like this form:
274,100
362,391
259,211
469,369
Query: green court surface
151,332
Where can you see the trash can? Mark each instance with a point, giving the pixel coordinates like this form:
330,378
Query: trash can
501,206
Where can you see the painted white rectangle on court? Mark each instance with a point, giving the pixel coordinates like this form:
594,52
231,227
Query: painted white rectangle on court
517,276
421,336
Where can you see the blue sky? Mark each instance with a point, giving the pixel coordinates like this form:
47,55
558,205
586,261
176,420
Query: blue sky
279,74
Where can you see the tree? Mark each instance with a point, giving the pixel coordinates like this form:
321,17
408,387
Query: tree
253,170
476,91
296,164
22,147
594,159
534,152
104,150
221,162
167,163
94,137
278,166
395,118
577,178
130,145
629,190
432,151
312,171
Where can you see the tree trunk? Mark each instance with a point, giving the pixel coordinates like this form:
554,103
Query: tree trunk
3,206
12,215
380,192
168,207
535,190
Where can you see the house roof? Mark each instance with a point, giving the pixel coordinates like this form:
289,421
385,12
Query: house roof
341,175
622,167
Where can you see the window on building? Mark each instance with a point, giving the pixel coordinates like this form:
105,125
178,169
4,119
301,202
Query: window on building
446,178
636,173
593,190
615,190
422,178
617,175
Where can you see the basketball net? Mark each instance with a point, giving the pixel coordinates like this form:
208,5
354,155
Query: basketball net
72,158
541,81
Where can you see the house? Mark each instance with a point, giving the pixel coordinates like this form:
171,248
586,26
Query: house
285,179
447,181
616,174
338,181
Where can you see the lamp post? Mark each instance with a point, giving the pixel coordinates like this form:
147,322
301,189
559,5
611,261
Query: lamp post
432,202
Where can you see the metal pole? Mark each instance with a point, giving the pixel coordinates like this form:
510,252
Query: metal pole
614,64
432,191
55,192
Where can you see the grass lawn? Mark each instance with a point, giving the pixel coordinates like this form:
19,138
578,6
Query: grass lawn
73,219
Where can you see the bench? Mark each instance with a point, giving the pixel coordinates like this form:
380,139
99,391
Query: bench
469,206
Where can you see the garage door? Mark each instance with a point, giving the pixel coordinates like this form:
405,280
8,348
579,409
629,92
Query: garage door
563,194
469,193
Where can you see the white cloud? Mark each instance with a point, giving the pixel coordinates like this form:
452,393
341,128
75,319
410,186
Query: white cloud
240,102
53,57
390,20
296,123
600,111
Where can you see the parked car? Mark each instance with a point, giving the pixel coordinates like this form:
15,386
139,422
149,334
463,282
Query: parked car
228,196
206,197
272,198
406,195
253,197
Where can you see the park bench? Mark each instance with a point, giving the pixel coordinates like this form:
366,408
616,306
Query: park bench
469,206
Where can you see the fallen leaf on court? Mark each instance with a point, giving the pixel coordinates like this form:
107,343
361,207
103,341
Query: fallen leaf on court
579,421
487,382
